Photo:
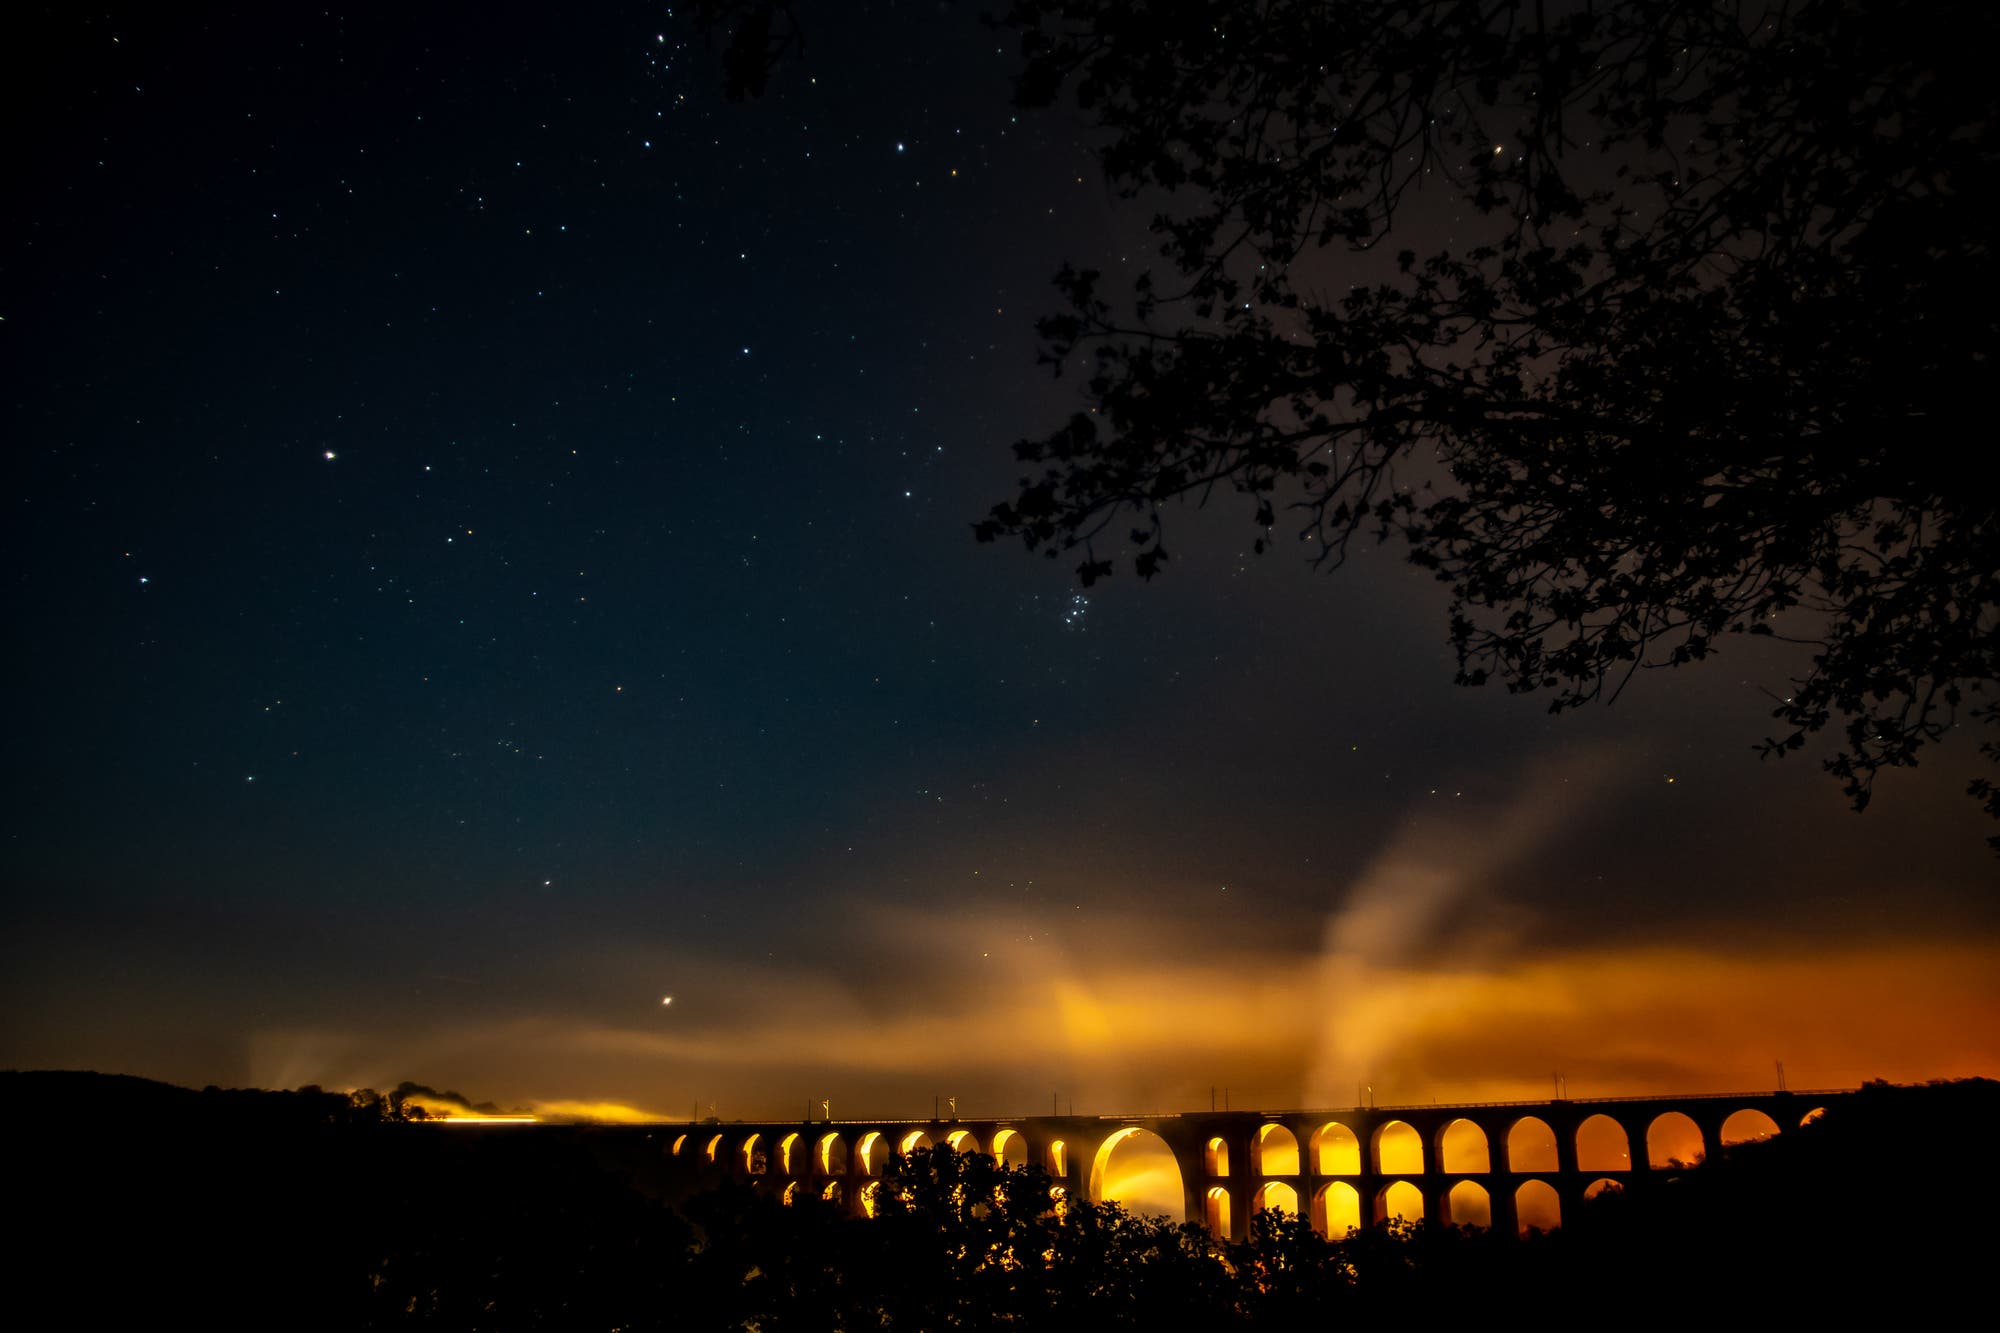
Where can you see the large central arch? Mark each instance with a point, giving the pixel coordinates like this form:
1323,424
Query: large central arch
1135,1167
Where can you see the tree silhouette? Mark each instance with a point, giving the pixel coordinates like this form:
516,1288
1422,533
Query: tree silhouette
1643,325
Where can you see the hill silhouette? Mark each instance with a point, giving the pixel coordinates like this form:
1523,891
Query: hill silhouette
134,1200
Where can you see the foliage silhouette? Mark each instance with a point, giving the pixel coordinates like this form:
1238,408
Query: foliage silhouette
250,1209
1689,311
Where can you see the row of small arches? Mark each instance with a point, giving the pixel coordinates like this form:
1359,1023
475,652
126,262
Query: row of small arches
1336,1207
828,1154
1461,1148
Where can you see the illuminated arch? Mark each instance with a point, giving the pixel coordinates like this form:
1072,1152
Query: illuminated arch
962,1141
1215,1210
679,1143
1275,1197
1673,1140
788,1155
793,1193
1335,1150
1399,1199
1601,1145
1463,1151
830,1155
1537,1207
871,1198
714,1145
1469,1205
834,1193
1598,1188
1275,1152
751,1154
913,1141
1747,1126
1399,1150
1009,1148
1135,1167
1336,1210
1531,1146
871,1152
1812,1115
1058,1159
1215,1157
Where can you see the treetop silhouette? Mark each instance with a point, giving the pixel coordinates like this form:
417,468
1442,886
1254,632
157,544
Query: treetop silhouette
1640,325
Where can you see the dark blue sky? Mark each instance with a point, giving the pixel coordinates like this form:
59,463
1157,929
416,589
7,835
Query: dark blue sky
490,543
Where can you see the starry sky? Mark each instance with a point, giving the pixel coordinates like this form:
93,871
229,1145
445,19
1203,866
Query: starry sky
489,547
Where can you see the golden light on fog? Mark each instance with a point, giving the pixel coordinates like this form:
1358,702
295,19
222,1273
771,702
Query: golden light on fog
1531,1146
1469,1205
1135,1167
1463,1150
1009,1148
1537,1207
1747,1126
1215,1210
1277,1197
1399,1150
1274,1152
913,1141
1673,1140
1336,1210
1400,1200
1336,1150
1215,1158
1601,1145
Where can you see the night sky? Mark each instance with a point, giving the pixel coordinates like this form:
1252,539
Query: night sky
489,532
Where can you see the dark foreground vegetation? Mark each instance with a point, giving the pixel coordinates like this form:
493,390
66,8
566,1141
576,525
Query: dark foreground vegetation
133,1201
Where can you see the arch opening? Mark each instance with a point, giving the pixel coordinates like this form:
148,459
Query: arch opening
962,1141
831,1155
1400,1200
913,1141
1276,1197
1673,1141
1336,1210
789,1161
1598,1188
1601,1145
1215,1210
1335,1150
1135,1167
872,1152
793,1192
1009,1148
871,1198
1469,1205
679,1143
1399,1150
1215,1157
752,1153
714,1146
834,1193
1275,1152
1058,1163
1747,1126
1537,1207
1463,1151
1812,1115
1531,1146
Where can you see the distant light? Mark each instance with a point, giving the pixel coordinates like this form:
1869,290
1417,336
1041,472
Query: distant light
668,1000
329,455
899,148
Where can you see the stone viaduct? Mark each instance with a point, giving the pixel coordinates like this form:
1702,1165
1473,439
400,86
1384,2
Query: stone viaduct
1511,1165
